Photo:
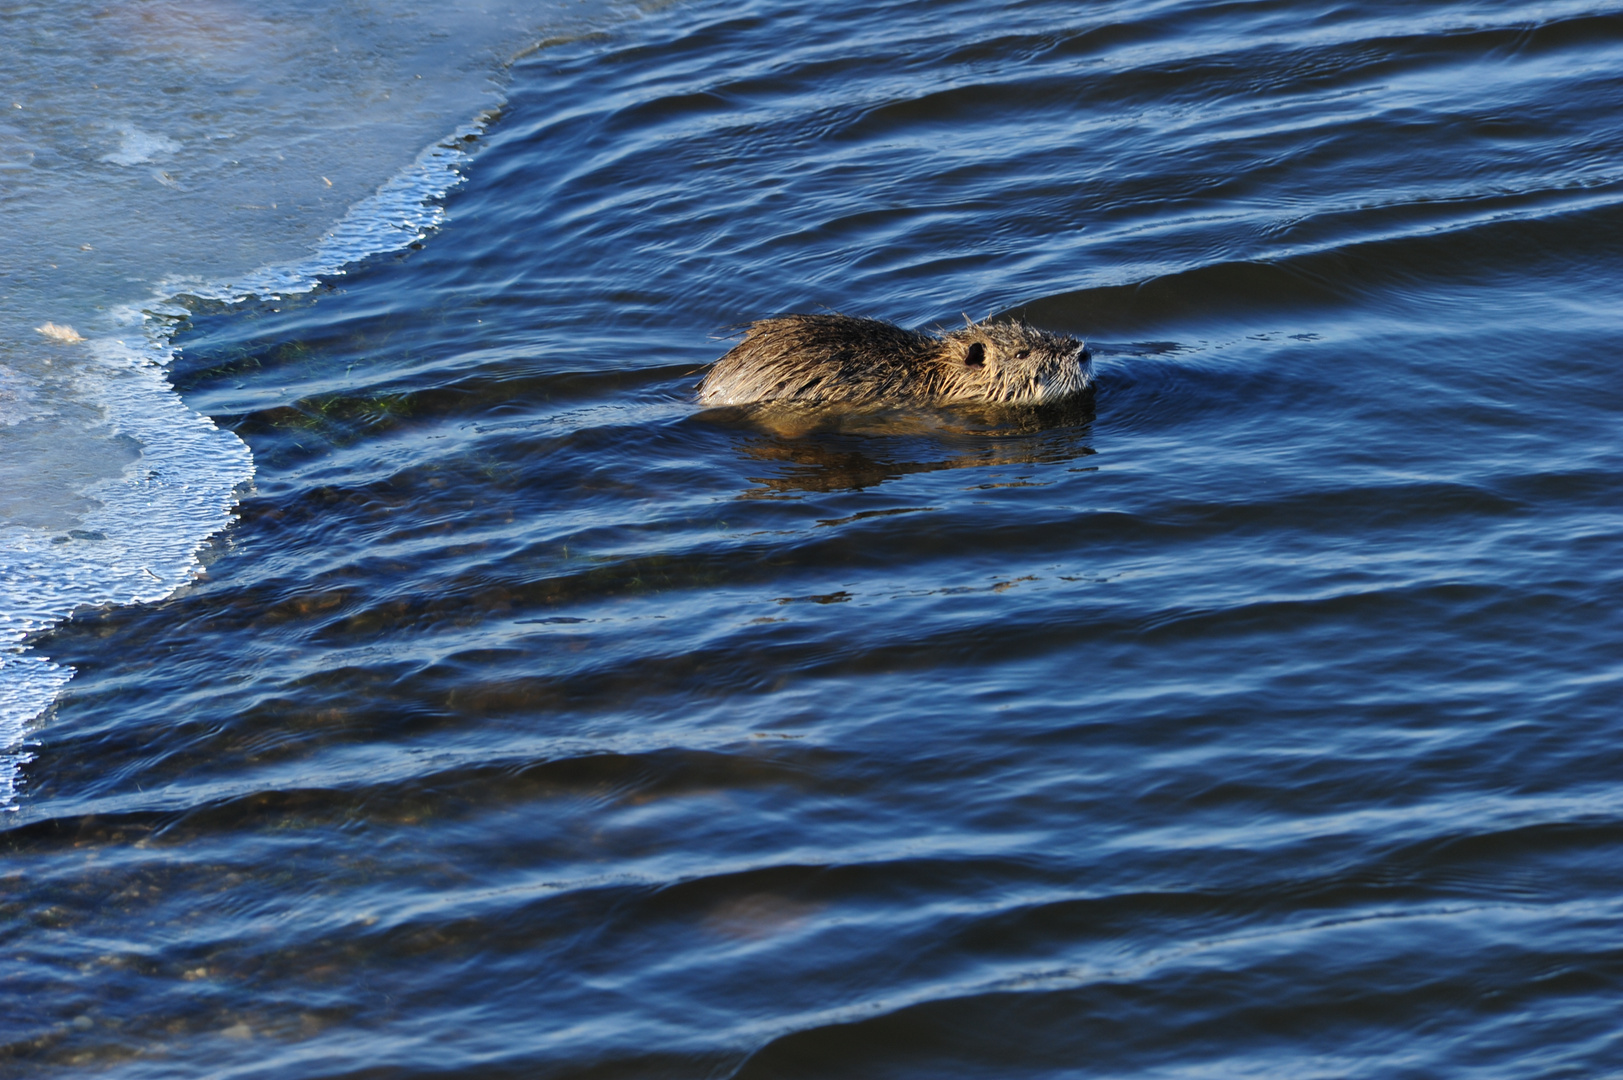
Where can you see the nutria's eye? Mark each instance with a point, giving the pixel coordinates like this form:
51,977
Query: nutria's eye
1022,354
976,356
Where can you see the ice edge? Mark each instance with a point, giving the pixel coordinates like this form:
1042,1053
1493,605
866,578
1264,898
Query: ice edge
190,472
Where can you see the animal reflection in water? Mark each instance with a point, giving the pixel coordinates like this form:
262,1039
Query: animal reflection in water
828,449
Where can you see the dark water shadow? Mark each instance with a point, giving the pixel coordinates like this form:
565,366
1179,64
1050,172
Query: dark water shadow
816,450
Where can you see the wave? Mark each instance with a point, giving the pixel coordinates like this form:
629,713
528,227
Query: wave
144,540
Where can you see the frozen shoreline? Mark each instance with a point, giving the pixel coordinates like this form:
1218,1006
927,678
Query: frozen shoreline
115,485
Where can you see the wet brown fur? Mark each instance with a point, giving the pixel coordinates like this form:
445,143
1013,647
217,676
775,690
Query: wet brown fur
817,359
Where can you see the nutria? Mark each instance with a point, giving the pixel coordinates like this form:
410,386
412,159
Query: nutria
820,359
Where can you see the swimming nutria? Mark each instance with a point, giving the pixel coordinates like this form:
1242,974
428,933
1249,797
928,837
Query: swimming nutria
813,359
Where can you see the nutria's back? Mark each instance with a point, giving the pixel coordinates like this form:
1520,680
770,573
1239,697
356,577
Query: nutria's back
815,359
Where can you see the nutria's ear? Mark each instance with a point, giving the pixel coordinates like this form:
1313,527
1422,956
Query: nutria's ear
976,356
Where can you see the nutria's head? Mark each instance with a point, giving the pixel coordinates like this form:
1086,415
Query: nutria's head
1011,362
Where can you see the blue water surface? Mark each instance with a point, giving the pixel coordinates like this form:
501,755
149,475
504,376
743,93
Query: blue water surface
1255,716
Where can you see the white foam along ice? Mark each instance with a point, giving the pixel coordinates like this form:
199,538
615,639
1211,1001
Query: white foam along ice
140,541
398,214
160,148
